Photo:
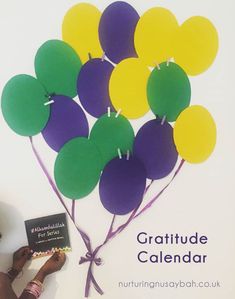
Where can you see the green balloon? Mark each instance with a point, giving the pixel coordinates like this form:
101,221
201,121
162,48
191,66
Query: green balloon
168,91
77,168
57,66
111,133
23,107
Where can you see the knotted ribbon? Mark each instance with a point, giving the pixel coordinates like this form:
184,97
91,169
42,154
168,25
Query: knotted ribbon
89,257
92,259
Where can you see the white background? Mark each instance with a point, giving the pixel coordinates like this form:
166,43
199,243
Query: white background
200,199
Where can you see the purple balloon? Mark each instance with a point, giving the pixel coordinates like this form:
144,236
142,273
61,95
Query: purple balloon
116,31
155,148
93,86
67,121
122,185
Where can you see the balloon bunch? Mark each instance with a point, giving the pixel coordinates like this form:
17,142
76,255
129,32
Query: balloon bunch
120,66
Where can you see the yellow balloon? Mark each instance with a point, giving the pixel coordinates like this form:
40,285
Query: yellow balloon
196,45
127,88
195,134
154,35
80,30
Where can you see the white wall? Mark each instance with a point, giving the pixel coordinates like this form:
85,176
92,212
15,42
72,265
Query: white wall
201,199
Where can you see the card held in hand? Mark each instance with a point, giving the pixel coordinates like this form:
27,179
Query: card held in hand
47,235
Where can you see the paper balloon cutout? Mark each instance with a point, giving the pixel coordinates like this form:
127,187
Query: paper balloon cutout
127,88
122,185
154,35
195,134
110,134
116,31
154,147
57,67
196,45
93,86
80,30
168,90
77,168
67,121
23,107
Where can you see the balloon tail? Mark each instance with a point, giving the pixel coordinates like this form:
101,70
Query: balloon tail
163,120
158,66
109,112
119,153
118,113
49,102
168,61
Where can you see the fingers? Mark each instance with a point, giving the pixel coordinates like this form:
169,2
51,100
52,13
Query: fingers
20,257
30,254
55,263
60,258
23,248
24,251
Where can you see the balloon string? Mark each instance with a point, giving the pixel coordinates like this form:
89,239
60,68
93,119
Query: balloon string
84,236
110,229
162,191
73,209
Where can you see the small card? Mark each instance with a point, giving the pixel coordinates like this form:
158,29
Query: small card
47,235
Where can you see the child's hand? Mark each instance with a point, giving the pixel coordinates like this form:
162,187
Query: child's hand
20,257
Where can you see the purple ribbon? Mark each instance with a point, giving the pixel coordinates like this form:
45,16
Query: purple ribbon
73,209
90,256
